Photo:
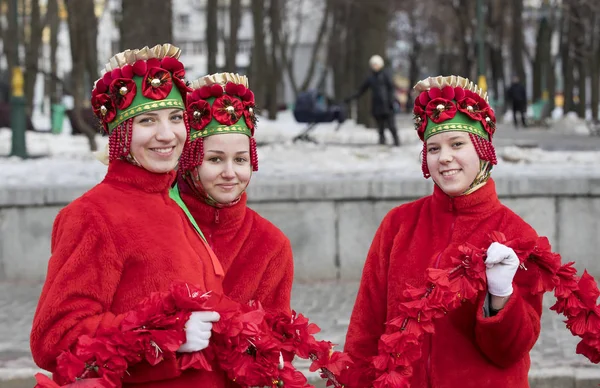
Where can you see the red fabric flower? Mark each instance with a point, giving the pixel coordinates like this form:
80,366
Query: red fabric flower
123,91
394,379
250,115
104,108
590,348
440,110
157,83
470,107
567,281
420,119
200,114
227,110
489,121
180,82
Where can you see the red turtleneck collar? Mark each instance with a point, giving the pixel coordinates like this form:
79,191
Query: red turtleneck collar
482,200
125,173
228,217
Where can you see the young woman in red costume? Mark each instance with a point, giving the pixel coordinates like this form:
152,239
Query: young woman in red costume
214,172
477,345
125,238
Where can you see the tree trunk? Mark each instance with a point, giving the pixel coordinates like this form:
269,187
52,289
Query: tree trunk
595,68
567,58
517,48
274,67
10,44
258,67
80,13
212,36
145,25
370,27
581,62
235,17
338,50
32,53
542,59
321,35
54,24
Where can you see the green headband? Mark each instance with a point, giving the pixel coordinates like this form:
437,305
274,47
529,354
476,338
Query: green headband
216,128
461,122
142,104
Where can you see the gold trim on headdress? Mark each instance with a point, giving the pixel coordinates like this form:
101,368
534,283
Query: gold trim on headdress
219,78
454,81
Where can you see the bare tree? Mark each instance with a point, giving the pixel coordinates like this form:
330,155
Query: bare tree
32,50
10,34
235,17
54,24
275,72
259,70
495,41
146,24
595,64
567,55
517,49
212,36
82,34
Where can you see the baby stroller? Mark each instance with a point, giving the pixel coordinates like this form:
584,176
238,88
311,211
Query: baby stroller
313,107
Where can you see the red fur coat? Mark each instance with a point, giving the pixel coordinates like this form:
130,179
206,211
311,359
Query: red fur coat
111,248
467,350
256,256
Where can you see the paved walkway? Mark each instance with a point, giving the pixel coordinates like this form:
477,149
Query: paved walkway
554,362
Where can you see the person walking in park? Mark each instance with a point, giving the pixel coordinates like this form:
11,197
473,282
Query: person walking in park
482,344
383,97
125,238
517,95
215,170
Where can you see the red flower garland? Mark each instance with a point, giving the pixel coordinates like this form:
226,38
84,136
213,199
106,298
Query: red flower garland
448,288
247,343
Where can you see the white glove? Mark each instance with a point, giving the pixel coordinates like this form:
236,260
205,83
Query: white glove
198,330
501,265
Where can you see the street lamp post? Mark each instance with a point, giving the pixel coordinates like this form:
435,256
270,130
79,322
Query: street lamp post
481,79
18,121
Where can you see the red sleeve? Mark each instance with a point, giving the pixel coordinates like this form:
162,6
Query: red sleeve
83,275
367,322
510,335
276,284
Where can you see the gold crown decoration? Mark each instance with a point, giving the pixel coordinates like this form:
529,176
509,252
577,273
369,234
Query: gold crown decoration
129,57
219,79
453,81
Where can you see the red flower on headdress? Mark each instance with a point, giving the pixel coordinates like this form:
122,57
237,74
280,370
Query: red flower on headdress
470,107
488,119
123,91
104,108
420,119
157,83
200,114
250,115
227,110
440,110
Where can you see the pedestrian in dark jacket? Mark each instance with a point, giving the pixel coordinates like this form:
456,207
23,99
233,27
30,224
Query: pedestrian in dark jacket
382,98
517,95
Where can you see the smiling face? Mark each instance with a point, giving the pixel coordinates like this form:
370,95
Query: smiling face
225,170
452,161
157,139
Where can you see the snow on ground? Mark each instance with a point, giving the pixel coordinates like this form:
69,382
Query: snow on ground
349,151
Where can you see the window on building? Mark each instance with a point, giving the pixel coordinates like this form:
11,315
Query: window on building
183,20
